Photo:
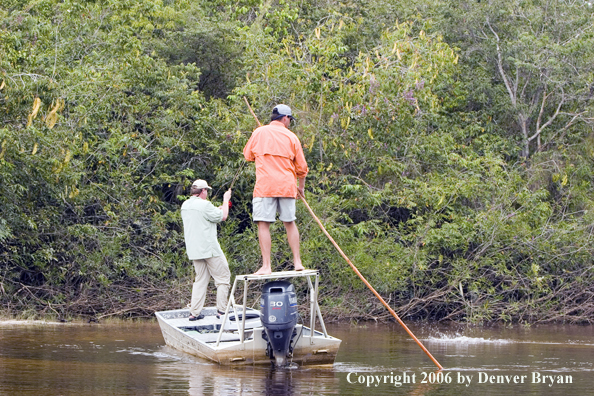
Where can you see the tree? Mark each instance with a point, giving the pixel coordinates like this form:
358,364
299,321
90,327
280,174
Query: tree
532,62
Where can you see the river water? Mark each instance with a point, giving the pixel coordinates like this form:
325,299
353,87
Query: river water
132,359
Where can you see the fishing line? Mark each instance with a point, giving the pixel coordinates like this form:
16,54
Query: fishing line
244,160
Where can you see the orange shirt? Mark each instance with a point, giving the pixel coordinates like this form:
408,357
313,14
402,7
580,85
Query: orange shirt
279,160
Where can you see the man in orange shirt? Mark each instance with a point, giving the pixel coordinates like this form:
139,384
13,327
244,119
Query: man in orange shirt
279,163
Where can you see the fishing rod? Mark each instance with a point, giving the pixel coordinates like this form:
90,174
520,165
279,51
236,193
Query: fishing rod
394,314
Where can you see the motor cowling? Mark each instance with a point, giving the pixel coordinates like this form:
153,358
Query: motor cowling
279,317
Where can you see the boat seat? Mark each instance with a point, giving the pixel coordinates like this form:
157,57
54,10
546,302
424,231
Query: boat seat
211,337
201,329
249,315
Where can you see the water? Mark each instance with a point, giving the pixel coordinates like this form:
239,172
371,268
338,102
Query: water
131,359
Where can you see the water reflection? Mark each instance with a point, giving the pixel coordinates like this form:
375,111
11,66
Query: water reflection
211,380
133,360
204,378
278,382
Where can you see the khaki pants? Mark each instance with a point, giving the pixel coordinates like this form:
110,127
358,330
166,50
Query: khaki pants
218,268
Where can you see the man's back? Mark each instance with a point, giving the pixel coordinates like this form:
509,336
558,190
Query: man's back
200,218
279,160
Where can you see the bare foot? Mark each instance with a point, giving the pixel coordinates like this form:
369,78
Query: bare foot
299,267
263,271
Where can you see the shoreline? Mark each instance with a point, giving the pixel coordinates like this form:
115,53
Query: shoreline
11,322
49,321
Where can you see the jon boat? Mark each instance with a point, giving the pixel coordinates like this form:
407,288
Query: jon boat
275,334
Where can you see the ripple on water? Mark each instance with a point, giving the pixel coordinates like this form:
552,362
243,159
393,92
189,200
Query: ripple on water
460,339
465,340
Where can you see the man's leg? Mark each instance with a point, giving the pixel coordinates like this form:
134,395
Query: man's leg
265,246
293,238
199,287
219,270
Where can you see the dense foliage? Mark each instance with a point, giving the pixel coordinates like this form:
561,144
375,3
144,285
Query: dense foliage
450,146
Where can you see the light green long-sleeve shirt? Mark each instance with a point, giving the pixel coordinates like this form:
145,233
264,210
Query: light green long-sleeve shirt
200,218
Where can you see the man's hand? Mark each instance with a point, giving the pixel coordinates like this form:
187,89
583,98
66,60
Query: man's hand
301,188
300,192
225,206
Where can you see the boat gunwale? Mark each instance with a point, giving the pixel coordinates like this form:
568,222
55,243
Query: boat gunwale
214,348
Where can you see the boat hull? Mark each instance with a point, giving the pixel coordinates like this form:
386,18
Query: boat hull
179,333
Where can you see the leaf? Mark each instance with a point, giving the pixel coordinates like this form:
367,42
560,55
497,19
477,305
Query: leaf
52,117
34,111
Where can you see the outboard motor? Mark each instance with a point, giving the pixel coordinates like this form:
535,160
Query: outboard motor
279,317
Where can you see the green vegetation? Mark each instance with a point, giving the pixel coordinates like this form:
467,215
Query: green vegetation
450,145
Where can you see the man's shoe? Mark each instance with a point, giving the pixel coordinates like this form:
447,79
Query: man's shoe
193,318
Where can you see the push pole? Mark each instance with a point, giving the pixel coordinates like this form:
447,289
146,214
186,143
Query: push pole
355,268
252,111
369,286
244,161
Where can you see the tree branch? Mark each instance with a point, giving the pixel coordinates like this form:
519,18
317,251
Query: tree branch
551,119
500,66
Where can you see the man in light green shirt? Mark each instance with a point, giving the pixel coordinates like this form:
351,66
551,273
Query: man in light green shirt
200,218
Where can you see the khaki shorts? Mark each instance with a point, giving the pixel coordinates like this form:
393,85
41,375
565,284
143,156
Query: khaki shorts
265,209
